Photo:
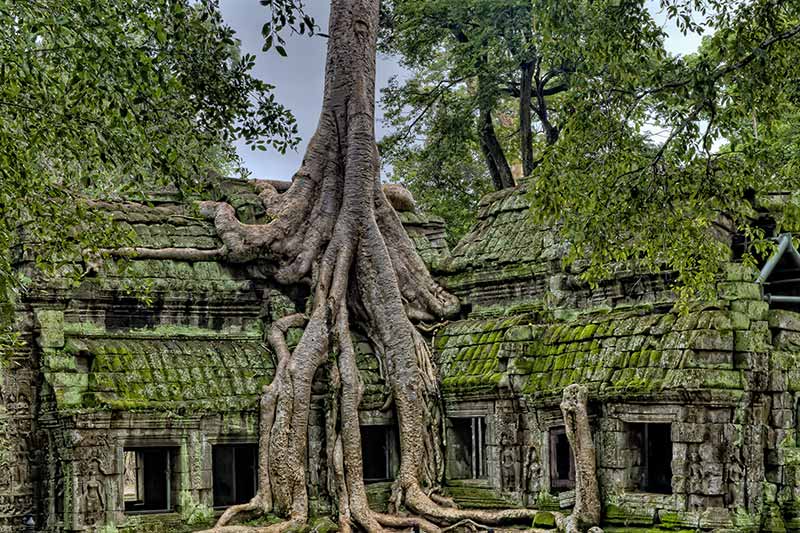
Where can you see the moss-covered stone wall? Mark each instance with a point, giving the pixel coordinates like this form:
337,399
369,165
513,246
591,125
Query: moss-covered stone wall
182,368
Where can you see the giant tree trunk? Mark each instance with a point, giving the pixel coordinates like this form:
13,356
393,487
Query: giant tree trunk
335,230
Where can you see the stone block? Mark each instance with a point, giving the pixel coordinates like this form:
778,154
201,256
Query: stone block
718,416
755,310
544,520
687,432
519,333
612,443
751,341
51,328
710,359
676,340
678,483
712,340
739,272
783,319
739,320
59,361
679,451
739,290
677,519
715,518
627,514
664,325
777,381
786,340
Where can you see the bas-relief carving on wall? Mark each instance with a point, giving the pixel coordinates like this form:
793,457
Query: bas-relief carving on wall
734,477
94,493
533,471
16,489
95,466
508,464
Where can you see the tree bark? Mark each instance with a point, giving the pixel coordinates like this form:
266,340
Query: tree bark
525,133
334,229
586,512
492,150
551,132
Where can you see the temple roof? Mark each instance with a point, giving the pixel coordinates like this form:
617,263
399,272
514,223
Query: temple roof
160,370
625,352
510,258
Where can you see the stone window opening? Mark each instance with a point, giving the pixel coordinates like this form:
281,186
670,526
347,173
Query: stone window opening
148,479
562,461
234,473
378,452
466,448
651,457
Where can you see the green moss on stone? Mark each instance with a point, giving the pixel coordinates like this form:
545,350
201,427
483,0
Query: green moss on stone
544,520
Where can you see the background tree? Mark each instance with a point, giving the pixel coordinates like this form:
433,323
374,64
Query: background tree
500,70
645,152
443,169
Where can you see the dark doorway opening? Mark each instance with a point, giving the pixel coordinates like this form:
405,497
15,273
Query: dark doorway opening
234,470
651,446
466,448
562,461
377,450
148,479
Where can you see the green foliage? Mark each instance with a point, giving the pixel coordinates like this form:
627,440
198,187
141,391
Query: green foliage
105,98
284,14
627,197
445,174
657,156
466,57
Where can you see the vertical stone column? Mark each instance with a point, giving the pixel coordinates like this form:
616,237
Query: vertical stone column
18,434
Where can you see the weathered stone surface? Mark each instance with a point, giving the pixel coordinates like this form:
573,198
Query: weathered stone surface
185,372
51,328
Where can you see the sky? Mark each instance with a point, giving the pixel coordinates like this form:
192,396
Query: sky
298,78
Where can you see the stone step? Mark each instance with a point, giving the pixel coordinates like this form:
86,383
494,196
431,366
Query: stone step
478,498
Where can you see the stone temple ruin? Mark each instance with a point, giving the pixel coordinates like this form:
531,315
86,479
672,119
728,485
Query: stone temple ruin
119,415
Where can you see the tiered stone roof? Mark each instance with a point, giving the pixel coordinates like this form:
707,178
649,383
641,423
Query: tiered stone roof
535,327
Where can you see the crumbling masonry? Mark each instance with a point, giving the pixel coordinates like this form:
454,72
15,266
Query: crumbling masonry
124,416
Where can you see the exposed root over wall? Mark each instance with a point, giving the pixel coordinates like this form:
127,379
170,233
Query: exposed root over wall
335,230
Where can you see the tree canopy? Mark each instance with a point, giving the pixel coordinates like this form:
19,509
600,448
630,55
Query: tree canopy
492,79
637,153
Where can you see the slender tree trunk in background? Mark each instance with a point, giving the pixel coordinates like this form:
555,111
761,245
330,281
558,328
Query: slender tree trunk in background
551,132
525,133
492,150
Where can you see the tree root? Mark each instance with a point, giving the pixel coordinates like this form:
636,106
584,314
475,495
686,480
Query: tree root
335,226
394,521
280,527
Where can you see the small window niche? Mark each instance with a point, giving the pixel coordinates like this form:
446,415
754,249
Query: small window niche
234,471
466,448
378,452
562,461
148,479
650,448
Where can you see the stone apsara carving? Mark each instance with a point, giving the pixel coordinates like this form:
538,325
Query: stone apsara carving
94,493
